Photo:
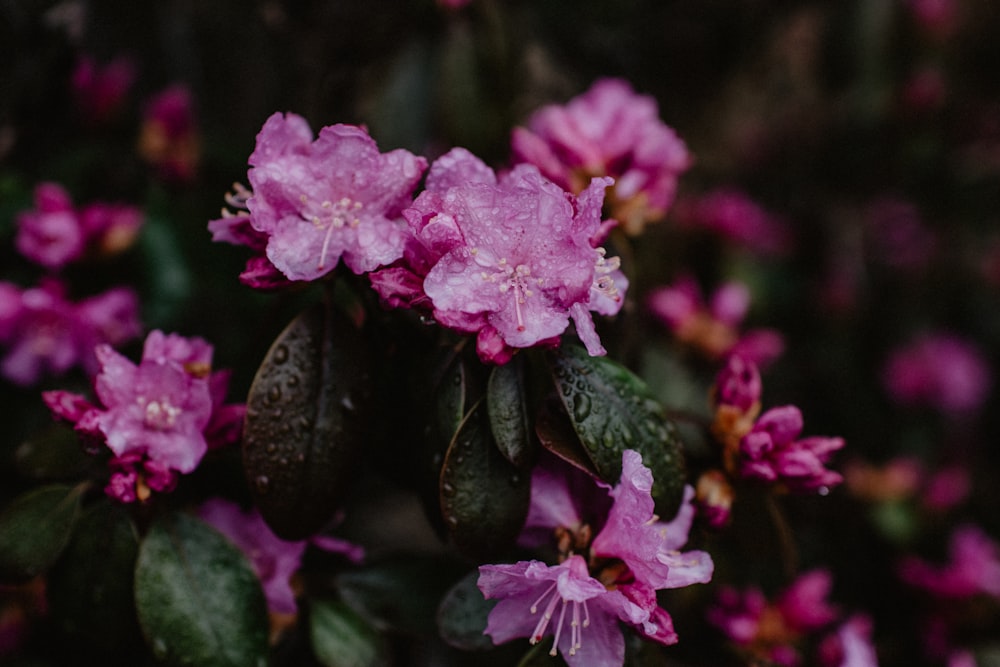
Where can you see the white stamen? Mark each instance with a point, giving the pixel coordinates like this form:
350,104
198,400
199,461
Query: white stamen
562,615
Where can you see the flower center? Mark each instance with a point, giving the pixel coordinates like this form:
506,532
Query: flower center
603,282
158,415
576,624
330,216
514,279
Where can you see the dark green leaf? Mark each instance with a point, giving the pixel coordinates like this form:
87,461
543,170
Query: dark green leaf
555,432
612,410
89,590
53,453
450,396
484,498
401,594
306,422
507,405
35,528
342,638
198,601
462,615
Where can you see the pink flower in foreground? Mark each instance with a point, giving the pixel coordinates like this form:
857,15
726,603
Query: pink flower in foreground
320,200
973,567
713,327
45,334
938,370
599,580
771,452
152,416
608,131
273,559
510,259
732,215
55,233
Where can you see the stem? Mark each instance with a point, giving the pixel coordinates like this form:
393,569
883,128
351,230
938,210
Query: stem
786,540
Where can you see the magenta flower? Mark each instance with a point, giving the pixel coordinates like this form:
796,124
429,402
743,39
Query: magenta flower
713,327
334,197
770,452
600,580
973,567
101,91
608,131
45,334
170,140
938,370
510,259
734,216
155,417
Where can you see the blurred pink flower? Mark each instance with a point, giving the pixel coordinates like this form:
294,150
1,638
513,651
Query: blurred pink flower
938,370
973,567
733,215
100,91
169,139
897,235
608,131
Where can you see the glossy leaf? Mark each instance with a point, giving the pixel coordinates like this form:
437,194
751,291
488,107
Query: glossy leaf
507,405
35,528
462,615
342,638
400,594
484,498
198,600
612,410
54,453
305,423
90,594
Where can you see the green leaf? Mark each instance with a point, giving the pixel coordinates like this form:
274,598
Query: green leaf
306,422
612,410
400,594
462,615
35,528
52,453
342,638
89,590
198,600
507,405
484,498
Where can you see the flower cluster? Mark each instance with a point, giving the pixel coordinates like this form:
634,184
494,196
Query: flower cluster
157,418
613,553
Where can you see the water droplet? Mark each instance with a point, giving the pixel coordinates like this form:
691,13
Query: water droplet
347,403
453,521
581,407
515,479
609,440
459,460
300,458
262,484
276,413
293,381
282,461
447,490
274,394
271,448
160,649
280,355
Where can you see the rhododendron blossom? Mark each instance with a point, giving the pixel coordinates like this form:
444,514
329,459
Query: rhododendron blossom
332,197
608,131
152,416
601,578
510,259
938,370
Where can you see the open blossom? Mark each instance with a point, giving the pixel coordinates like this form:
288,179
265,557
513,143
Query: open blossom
938,370
55,233
772,452
273,559
152,416
511,258
713,327
608,131
600,578
777,631
317,201
46,334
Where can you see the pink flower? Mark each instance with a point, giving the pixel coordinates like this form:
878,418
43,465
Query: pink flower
770,452
334,197
100,91
509,259
156,416
47,335
850,645
608,131
938,370
973,567
732,215
54,233
169,138
599,580
713,327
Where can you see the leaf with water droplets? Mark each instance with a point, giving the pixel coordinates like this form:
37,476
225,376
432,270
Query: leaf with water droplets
462,615
612,410
35,528
507,405
342,638
306,421
484,499
198,600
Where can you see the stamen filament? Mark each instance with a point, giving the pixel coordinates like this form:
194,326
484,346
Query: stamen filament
562,615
